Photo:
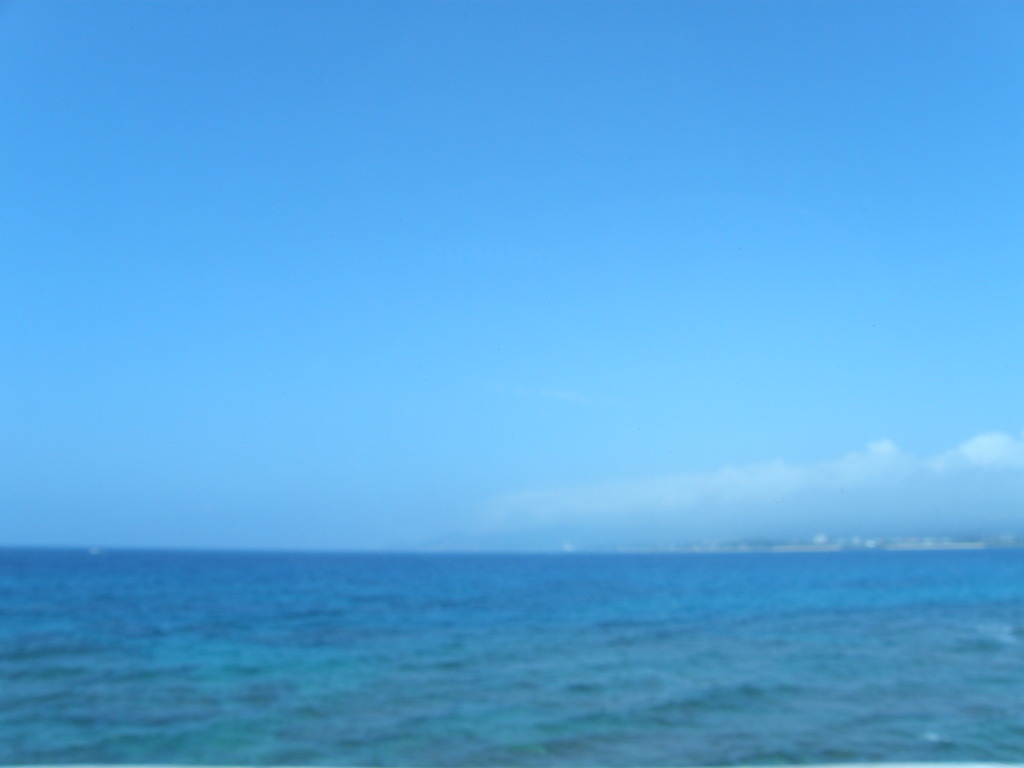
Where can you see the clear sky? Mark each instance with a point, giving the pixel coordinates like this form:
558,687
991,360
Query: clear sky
486,274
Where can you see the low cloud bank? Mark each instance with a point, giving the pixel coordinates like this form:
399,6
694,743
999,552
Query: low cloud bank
977,487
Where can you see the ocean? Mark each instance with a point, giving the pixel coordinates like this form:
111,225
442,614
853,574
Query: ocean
141,657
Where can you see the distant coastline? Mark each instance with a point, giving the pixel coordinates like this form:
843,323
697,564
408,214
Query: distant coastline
824,544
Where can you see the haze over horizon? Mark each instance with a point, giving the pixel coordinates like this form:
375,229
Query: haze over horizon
508,275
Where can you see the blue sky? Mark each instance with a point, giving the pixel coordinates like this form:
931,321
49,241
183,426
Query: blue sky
458,275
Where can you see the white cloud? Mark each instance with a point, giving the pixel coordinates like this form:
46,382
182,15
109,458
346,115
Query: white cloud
993,450
879,480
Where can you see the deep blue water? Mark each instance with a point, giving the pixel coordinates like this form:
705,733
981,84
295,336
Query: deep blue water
510,660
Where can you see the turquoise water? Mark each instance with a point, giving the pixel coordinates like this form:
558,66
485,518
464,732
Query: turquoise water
517,660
